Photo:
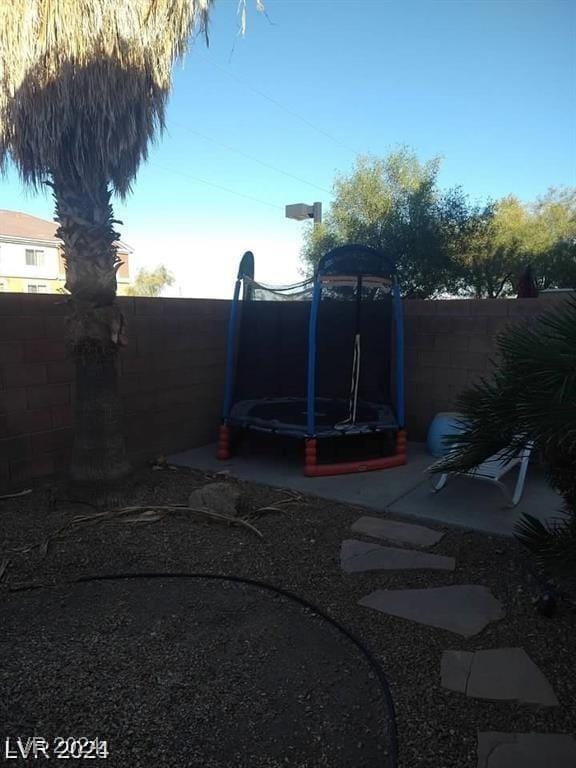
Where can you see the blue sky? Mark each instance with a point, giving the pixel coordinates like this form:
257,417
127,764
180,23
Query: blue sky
488,85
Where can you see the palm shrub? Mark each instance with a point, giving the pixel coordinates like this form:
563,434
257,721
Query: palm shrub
530,397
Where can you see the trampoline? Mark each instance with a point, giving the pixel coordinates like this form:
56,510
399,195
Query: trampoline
320,360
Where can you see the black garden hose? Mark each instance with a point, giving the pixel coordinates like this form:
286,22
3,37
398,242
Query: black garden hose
377,669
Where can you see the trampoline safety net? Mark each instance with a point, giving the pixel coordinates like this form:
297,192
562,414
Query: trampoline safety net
272,354
318,358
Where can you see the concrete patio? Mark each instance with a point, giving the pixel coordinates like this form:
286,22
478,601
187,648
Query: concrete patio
403,492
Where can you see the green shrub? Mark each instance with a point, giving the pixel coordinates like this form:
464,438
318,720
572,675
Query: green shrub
531,397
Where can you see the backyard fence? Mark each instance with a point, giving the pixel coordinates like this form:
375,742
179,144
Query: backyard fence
172,372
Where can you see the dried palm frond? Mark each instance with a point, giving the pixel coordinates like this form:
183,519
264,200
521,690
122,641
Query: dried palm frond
553,544
280,505
152,513
4,565
84,83
16,495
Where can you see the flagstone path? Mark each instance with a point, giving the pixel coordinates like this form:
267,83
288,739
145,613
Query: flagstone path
465,610
358,555
526,750
505,674
499,673
391,530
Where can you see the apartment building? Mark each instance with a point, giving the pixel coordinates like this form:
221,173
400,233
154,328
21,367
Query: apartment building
31,256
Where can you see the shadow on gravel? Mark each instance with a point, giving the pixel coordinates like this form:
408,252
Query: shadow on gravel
190,672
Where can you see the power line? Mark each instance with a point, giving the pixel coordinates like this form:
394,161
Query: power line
282,106
251,157
216,186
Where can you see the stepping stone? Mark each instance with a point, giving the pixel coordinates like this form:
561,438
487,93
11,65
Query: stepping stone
363,556
503,673
455,670
526,750
403,533
465,609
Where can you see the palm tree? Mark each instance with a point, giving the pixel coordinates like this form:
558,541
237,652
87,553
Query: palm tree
532,397
83,91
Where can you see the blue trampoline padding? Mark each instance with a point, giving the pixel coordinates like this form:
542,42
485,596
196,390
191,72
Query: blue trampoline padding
287,416
443,424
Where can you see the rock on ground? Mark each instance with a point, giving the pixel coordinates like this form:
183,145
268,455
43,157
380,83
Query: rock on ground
223,498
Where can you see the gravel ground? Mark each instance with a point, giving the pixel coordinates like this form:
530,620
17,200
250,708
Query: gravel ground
250,709
191,673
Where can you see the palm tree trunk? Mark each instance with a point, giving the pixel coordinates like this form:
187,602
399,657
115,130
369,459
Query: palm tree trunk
95,333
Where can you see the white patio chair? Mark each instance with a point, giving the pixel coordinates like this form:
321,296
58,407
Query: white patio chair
492,470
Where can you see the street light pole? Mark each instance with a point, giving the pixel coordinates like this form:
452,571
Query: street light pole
317,213
302,211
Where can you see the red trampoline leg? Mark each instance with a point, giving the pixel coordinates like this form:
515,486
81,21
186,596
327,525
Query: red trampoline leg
313,469
310,455
224,451
401,443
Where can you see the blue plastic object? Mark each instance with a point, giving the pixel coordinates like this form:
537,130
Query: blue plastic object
443,424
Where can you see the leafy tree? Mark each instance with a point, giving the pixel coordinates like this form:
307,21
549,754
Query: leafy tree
83,90
499,240
532,397
490,247
151,282
393,204
442,242
553,240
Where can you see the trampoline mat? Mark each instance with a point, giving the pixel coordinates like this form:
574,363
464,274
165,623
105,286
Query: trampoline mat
188,672
287,415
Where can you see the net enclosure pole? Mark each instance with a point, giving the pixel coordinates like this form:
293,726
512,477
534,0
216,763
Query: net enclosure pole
229,385
311,383
399,331
245,274
357,352
245,270
224,450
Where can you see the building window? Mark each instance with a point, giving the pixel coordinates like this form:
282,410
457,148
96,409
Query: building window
34,257
37,288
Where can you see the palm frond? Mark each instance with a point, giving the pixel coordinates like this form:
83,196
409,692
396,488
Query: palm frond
554,544
531,396
489,427
84,83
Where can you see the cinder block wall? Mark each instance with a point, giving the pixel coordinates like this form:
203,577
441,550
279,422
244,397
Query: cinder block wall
171,380
448,346
172,372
